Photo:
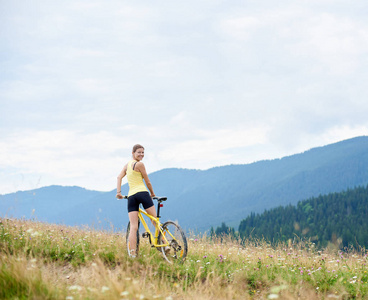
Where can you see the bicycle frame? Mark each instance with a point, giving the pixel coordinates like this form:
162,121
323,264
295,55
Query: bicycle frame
158,228
171,247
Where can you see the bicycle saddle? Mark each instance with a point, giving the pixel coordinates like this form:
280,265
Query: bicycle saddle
160,198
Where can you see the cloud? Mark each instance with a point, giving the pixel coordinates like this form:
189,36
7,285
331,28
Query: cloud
240,28
210,148
199,84
53,156
336,43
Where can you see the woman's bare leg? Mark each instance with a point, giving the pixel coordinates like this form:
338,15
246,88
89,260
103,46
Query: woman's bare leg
133,218
152,211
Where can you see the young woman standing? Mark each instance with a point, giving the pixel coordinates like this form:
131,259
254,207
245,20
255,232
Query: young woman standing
138,193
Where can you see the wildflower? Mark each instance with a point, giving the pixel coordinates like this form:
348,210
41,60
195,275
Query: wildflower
272,296
104,289
69,298
75,287
125,293
205,256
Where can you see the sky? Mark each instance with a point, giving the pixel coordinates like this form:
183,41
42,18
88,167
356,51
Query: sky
198,83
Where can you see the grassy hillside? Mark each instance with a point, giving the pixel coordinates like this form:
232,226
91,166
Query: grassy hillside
44,261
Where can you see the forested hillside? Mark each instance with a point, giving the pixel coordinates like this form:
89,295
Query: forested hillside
339,218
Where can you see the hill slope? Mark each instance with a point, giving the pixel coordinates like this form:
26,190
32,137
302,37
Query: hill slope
48,261
230,193
201,199
44,203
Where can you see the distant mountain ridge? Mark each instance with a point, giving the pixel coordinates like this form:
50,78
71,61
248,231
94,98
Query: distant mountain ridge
46,203
201,199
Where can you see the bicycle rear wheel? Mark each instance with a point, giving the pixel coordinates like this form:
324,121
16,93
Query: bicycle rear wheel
174,236
127,239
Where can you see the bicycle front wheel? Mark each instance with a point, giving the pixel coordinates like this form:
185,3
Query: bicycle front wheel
176,243
127,240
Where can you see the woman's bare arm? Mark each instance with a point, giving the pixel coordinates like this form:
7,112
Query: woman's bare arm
120,178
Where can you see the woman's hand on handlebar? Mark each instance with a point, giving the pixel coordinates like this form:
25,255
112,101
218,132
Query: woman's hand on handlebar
119,196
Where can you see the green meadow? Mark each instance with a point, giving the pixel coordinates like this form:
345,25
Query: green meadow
47,261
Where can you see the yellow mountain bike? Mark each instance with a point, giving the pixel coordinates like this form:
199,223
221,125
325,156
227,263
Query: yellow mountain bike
168,237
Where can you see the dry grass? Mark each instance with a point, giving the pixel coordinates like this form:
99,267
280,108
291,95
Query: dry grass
45,261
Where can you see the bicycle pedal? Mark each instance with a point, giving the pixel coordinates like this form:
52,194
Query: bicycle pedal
145,235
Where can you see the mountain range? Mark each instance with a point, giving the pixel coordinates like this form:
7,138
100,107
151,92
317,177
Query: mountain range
199,199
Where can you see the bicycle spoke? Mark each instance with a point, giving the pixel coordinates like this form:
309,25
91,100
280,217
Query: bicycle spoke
176,244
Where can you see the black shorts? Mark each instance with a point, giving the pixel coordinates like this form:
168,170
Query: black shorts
138,198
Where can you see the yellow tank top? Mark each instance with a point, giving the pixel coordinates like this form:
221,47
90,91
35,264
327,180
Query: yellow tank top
135,180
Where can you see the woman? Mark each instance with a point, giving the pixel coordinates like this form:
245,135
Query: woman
138,193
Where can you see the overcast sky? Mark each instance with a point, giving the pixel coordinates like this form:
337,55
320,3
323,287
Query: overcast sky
198,83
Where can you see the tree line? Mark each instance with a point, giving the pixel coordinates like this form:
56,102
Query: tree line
338,218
